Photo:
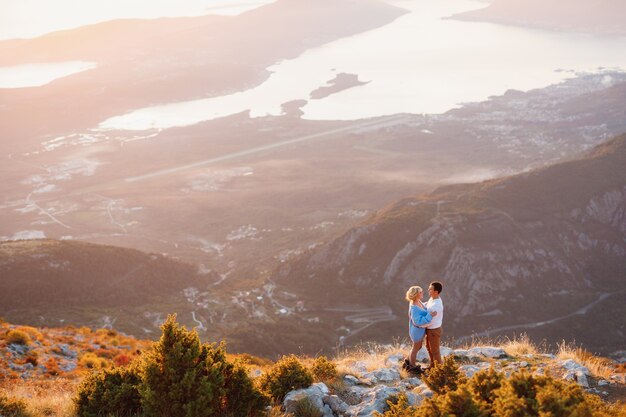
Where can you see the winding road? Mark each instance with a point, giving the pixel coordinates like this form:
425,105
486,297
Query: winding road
366,316
581,311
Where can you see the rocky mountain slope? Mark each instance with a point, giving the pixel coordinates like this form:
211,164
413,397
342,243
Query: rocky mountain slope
68,352
604,16
541,252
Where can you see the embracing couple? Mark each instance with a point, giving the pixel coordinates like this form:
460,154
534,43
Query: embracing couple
424,322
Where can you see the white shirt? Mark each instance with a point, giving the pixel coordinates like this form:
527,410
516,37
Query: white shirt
435,304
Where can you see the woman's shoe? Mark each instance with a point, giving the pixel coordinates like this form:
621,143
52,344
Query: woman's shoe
406,365
416,370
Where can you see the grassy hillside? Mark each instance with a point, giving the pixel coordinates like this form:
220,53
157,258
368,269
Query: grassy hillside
52,282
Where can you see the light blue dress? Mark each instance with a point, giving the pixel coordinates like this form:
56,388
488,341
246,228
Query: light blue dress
417,317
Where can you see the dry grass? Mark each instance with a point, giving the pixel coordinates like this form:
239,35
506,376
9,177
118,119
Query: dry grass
276,411
44,398
519,346
371,356
597,365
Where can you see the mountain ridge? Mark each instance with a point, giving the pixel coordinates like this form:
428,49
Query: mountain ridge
51,282
501,247
604,17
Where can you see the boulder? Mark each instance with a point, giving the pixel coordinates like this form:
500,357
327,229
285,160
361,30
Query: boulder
469,370
414,398
18,349
336,404
422,355
359,392
394,360
410,382
383,375
315,393
67,366
424,391
374,401
460,353
572,365
486,352
351,380
65,350
577,374
446,351
581,379
359,367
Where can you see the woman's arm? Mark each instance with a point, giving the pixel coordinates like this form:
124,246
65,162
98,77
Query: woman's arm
421,318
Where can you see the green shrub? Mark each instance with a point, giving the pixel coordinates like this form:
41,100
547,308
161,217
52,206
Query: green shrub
17,337
242,398
323,369
286,375
483,384
558,399
92,361
444,377
398,407
459,402
178,377
12,407
112,391
520,395
182,377
305,408
523,394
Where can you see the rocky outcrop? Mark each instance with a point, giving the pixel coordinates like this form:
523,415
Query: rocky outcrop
369,391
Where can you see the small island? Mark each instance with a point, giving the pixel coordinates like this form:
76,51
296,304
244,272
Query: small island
341,82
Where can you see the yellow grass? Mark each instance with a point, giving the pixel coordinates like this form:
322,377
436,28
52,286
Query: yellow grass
49,398
597,365
519,345
371,355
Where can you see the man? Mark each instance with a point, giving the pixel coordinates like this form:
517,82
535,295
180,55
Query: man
433,329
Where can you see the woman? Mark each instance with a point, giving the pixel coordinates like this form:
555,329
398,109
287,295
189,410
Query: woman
418,316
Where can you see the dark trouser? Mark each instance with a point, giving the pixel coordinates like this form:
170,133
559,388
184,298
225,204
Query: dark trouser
433,340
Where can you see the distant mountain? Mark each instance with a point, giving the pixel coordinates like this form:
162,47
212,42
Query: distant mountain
542,252
600,16
50,282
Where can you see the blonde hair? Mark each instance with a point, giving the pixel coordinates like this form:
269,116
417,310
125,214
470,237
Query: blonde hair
412,292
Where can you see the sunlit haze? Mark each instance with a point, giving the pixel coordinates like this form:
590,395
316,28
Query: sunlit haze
31,18
282,174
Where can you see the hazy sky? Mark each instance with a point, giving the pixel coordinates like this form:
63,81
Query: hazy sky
31,18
